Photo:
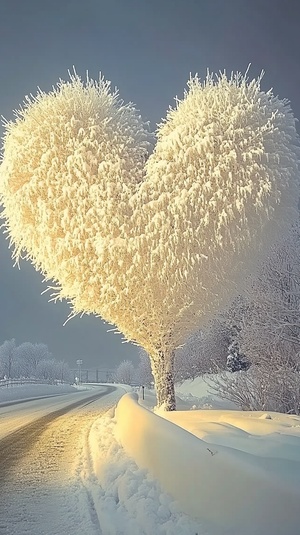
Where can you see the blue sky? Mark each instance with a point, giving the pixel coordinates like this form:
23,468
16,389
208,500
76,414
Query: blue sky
147,48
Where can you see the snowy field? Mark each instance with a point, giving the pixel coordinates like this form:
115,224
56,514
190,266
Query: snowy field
206,472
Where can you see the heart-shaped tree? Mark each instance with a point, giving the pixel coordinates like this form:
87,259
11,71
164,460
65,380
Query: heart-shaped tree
151,241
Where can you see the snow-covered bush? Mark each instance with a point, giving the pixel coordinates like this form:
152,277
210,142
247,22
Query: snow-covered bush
260,388
154,247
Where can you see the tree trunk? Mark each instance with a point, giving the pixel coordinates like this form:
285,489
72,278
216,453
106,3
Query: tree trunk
162,369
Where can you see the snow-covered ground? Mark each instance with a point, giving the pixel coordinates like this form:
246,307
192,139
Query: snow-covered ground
212,472
208,472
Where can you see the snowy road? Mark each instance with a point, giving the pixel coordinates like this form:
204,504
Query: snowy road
41,456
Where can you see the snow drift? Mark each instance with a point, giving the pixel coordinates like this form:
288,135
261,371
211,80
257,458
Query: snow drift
221,485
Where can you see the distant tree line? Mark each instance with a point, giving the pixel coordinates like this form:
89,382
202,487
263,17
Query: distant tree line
30,360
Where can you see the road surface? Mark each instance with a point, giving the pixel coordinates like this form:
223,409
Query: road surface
41,445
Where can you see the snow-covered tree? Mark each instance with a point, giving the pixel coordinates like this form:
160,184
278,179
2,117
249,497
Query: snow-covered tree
47,369
269,334
143,373
8,358
125,372
235,360
62,371
272,327
205,351
31,361
28,356
153,244
233,321
190,358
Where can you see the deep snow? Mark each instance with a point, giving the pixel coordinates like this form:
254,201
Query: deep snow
210,472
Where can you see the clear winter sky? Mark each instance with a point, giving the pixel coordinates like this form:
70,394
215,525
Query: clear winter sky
147,48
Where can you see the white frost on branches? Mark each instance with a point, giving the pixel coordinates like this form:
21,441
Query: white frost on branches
125,373
154,247
143,374
268,334
31,361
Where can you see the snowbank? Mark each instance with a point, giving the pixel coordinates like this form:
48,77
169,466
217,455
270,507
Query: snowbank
232,491
126,499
